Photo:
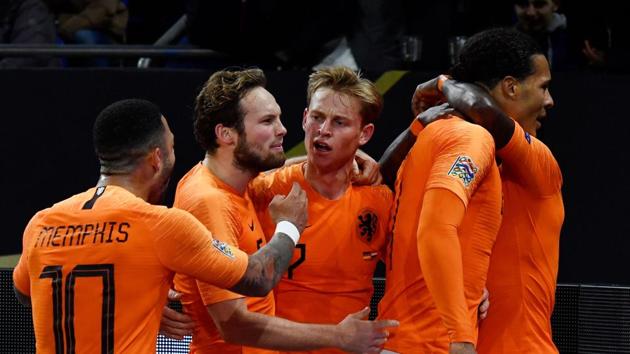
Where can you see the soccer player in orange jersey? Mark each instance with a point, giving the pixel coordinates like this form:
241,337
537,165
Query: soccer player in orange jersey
237,122
447,213
97,266
524,262
332,269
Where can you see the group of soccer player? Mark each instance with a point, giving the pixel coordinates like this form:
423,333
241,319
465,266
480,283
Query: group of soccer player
474,203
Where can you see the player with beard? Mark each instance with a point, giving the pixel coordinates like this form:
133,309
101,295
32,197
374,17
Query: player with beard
237,122
96,267
333,265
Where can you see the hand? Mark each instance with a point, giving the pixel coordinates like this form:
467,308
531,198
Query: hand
484,304
434,113
291,208
461,348
362,336
174,324
426,95
366,171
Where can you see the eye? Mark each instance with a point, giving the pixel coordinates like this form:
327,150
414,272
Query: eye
339,122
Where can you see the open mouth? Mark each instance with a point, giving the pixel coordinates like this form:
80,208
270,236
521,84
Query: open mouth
322,147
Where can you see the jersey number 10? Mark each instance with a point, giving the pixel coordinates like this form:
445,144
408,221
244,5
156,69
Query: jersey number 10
106,272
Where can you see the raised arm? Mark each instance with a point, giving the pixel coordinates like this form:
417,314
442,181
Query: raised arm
266,266
397,151
477,104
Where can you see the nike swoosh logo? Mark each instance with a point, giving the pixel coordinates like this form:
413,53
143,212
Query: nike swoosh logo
251,226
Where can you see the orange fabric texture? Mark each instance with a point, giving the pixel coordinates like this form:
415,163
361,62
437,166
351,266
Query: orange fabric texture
231,218
332,268
457,157
524,265
109,267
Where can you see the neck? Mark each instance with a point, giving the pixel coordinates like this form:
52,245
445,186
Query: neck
127,181
330,184
221,165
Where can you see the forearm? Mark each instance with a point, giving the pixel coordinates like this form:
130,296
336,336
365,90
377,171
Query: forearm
439,251
473,101
258,330
266,266
394,156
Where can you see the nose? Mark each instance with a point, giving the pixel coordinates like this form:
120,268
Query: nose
324,128
548,100
280,129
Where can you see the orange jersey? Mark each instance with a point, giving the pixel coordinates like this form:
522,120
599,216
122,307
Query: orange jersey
457,156
231,218
333,264
524,263
98,266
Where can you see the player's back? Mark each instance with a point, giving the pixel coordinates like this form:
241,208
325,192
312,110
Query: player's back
457,156
97,285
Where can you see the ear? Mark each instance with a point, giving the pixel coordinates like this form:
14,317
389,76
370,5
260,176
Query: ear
366,133
510,87
155,159
225,135
304,115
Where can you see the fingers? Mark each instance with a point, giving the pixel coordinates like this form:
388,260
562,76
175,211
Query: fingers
386,323
175,325
361,314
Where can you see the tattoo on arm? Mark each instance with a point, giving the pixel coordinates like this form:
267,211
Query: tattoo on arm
266,266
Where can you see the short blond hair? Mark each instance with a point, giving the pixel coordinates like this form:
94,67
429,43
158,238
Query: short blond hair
346,81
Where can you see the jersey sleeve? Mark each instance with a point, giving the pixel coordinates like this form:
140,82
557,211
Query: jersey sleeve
21,279
215,213
462,158
531,164
185,246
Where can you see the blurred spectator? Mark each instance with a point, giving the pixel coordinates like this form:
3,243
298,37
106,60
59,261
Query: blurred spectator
297,35
26,22
90,21
605,41
540,19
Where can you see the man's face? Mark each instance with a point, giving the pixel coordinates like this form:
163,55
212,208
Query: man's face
534,15
333,131
533,100
156,196
259,146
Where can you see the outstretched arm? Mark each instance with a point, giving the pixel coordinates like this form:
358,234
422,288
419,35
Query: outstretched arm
240,326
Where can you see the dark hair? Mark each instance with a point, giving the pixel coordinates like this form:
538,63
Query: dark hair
490,55
125,131
218,103
348,82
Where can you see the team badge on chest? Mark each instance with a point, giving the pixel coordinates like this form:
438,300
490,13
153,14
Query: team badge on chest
367,222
